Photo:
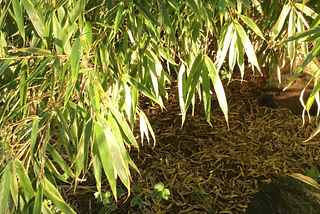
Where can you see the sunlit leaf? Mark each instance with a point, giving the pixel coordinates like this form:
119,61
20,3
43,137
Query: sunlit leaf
4,189
34,17
280,22
252,25
291,32
218,87
247,46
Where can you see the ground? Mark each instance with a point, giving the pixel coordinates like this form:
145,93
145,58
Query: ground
210,169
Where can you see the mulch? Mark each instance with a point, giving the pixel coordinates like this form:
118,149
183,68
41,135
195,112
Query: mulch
210,169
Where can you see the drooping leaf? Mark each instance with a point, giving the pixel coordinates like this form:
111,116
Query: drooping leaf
247,46
34,17
252,25
280,22
218,87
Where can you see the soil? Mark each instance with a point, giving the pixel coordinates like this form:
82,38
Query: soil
209,169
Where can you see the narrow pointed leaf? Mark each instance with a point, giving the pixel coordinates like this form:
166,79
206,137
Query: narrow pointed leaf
34,17
105,154
52,193
247,46
19,17
147,14
291,32
252,25
218,87
37,71
308,59
167,23
280,22
4,189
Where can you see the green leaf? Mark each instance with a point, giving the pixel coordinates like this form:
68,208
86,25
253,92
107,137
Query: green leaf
37,71
193,79
306,10
75,59
4,189
18,12
222,6
4,66
52,193
222,52
120,160
124,126
59,160
57,31
302,35
308,59
315,22
206,94
167,23
240,56
173,4
105,153
291,32
252,25
246,3
147,14
38,200
141,88
280,22
34,135
194,8
34,17
247,45
24,181
37,51
218,87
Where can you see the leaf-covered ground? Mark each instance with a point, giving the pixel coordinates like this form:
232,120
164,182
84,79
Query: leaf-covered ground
210,169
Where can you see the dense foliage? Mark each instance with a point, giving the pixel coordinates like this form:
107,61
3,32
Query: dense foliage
71,73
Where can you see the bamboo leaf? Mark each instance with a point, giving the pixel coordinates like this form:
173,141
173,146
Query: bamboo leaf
38,200
34,135
240,56
4,66
75,59
57,31
306,10
194,8
291,32
222,52
24,180
18,12
218,87
141,88
4,189
59,160
167,23
105,153
37,51
308,59
120,159
302,35
206,93
37,71
34,17
247,46
125,127
52,193
252,25
233,51
147,14
280,22
193,79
